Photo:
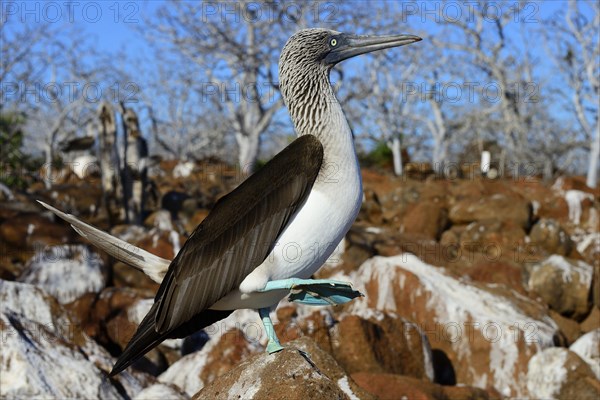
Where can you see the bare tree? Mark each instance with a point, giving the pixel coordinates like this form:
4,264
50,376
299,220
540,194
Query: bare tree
236,58
573,43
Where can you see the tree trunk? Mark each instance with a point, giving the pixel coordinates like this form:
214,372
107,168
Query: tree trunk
397,155
48,166
134,168
592,173
109,160
248,151
439,156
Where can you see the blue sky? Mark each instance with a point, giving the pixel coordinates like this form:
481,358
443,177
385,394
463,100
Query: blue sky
118,26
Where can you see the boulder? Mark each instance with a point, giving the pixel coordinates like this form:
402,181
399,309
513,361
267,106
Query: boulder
569,328
504,273
559,373
383,343
549,235
93,313
158,391
392,387
45,355
22,234
587,347
371,210
300,371
479,335
499,207
429,218
592,321
564,284
226,343
66,272
493,239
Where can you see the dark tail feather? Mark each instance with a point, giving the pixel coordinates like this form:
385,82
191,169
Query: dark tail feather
146,338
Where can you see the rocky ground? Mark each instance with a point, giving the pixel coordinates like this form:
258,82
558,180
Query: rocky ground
474,289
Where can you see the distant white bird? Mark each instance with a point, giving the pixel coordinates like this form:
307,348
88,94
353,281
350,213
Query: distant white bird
276,229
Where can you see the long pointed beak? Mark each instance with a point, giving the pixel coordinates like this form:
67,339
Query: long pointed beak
354,45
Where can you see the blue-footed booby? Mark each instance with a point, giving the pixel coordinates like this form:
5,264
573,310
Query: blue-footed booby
307,196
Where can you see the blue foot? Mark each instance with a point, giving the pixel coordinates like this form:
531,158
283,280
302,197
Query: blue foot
273,346
315,292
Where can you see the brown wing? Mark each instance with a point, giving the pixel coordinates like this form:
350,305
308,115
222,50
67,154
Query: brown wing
238,234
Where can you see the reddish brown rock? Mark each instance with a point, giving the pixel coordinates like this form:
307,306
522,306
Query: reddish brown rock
563,284
498,207
560,373
125,276
498,272
160,243
298,376
29,231
93,312
477,333
380,345
569,328
549,235
592,321
392,387
231,349
429,218
195,220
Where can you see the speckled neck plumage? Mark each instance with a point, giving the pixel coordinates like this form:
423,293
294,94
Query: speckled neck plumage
313,107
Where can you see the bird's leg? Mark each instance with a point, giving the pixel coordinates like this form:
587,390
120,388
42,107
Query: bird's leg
273,346
315,292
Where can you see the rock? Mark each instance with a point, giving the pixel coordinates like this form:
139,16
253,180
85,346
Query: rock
81,199
383,343
498,207
592,321
429,218
45,355
479,335
371,210
569,328
165,244
564,284
93,313
160,220
549,235
231,349
575,200
287,374
25,233
227,342
392,387
195,220
587,388
159,391
504,273
553,372
587,348
125,276
316,324
589,247
493,239
66,272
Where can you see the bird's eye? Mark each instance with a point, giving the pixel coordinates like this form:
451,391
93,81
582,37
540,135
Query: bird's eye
333,42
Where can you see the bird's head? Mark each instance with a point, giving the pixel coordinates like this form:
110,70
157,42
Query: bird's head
321,49
305,63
